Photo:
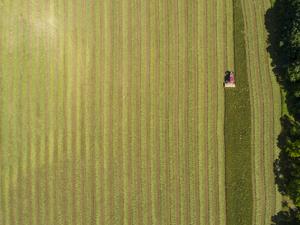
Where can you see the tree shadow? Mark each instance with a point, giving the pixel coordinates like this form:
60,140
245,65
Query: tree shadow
283,165
278,20
288,217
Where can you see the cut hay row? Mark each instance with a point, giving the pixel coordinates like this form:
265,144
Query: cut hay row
173,111
212,113
277,106
203,117
112,111
262,90
256,92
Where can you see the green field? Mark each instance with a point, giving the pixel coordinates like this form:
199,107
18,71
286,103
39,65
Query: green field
112,111
237,133
265,113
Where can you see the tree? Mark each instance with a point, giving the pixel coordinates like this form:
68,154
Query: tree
290,136
286,218
283,25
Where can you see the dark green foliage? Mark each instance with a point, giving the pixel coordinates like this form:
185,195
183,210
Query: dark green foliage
287,167
286,218
294,72
290,137
283,25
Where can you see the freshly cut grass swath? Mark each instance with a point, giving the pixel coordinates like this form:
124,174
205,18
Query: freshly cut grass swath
112,111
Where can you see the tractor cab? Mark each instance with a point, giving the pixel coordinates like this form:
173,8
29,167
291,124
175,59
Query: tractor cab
229,80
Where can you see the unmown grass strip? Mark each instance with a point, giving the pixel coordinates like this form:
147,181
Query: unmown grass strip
238,133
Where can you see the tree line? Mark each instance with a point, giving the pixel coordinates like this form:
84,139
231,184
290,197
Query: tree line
282,21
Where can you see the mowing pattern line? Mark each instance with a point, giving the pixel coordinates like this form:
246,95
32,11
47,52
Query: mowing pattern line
112,112
265,102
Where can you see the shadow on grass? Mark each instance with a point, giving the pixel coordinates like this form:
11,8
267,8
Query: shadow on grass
288,217
284,165
277,21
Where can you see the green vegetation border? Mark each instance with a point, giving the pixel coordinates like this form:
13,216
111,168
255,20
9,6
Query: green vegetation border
238,133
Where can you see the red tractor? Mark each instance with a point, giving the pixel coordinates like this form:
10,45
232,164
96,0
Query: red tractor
229,80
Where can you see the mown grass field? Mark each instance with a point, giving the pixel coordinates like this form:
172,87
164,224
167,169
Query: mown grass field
259,119
112,112
265,110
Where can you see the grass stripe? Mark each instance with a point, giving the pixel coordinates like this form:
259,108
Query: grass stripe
145,112
108,170
154,57
204,95
173,113
238,161
100,111
259,157
2,181
184,185
211,111
269,192
125,129
223,65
